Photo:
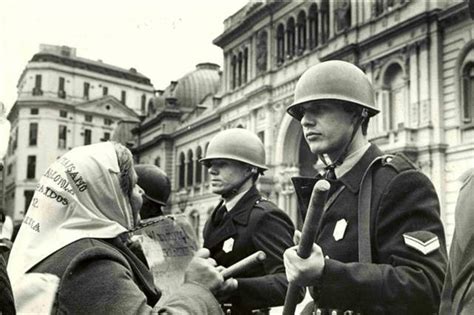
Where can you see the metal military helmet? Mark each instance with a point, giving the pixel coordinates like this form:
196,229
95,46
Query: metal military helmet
155,183
237,144
333,80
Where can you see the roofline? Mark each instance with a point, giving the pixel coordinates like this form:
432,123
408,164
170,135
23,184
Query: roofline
91,66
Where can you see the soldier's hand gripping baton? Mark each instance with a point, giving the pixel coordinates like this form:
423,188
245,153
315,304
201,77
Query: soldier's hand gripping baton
244,264
308,236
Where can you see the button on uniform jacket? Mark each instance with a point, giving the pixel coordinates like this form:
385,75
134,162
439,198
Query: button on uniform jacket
253,224
407,241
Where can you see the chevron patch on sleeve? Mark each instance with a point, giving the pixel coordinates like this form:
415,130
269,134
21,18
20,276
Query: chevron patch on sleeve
423,241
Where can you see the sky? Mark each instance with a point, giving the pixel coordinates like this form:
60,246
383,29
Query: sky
162,39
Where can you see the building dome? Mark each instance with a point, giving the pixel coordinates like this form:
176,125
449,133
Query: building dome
191,89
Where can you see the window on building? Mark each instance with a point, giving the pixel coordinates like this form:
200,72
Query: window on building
105,90
280,44
182,166
239,69
86,90
234,71
88,118
34,111
324,21
37,89
199,166
62,138
143,104
342,15
28,197
123,98
63,113
61,90
108,121
87,136
467,85
393,98
190,169
261,136
301,32
9,169
313,26
15,139
262,52
158,161
290,38
206,172
245,65
106,136
33,135
31,167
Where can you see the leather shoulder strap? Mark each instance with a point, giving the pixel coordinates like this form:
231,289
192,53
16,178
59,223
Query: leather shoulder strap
364,206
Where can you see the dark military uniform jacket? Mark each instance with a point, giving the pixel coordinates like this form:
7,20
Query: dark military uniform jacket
458,291
408,244
253,224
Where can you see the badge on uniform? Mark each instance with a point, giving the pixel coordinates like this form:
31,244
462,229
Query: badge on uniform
228,245
423,241
340,230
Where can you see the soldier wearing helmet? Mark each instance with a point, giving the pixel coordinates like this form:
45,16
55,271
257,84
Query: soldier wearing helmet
156,186
380,248
245,222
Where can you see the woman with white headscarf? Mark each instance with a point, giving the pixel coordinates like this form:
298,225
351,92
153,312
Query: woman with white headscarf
72,242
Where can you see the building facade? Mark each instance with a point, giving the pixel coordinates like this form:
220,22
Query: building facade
418,54
64,101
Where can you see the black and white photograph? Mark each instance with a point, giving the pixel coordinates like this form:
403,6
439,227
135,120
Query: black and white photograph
237,157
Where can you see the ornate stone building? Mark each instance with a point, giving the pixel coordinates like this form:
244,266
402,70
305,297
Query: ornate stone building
418,54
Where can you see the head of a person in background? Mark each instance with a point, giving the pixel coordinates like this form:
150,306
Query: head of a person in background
156,188
235,158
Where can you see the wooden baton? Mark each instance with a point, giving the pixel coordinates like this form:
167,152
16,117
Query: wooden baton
244,264
308,236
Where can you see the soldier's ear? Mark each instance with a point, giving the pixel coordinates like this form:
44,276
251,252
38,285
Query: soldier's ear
254,170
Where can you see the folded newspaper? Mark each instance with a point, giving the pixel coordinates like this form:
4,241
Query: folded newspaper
168,243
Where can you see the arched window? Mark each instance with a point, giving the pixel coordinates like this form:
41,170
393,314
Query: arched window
199,167
190,169
301,31
393,98
239,69
234,71
467,98
194,218
342,15
280,44
324,21
181,166
158,161
143,103
262,52
151,108
206,173
290,37
245,65
313,26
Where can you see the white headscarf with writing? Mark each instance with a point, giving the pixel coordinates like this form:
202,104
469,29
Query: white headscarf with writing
79,196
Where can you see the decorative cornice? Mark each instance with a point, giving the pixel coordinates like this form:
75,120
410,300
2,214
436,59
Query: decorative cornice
454,14
160,138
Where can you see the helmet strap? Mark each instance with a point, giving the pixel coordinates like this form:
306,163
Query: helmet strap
342,156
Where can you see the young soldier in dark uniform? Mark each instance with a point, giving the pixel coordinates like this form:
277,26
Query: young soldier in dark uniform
244,222
382,254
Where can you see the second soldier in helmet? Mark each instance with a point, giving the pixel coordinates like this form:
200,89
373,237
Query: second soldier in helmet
245,222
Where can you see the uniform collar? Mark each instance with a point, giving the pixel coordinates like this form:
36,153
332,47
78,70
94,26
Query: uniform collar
230,204
350,161
241,211
351,179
